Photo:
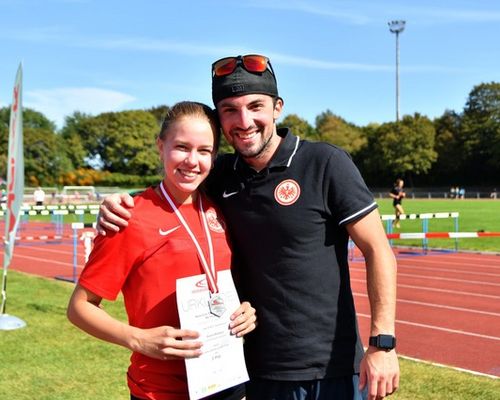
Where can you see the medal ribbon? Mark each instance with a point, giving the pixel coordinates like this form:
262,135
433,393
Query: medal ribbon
209,270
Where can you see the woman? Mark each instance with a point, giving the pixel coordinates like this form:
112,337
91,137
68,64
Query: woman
167,239
397,194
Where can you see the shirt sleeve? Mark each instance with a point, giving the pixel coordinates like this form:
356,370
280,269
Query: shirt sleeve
110,262
347,196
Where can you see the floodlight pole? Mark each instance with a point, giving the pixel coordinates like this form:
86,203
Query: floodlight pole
397,27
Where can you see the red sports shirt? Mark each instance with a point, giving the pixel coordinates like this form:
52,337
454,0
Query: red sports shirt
144,261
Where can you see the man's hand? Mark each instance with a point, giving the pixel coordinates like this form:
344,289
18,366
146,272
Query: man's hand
113,214
243,320
380,372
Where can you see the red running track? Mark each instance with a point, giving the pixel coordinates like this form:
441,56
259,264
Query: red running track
448,304
448,309
50,259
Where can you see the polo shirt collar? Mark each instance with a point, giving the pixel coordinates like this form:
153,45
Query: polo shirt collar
284,154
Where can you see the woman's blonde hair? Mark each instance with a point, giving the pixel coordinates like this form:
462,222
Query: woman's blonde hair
192,109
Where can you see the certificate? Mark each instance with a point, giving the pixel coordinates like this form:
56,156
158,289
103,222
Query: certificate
222,364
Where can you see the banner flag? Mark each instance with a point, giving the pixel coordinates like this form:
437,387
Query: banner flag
15,177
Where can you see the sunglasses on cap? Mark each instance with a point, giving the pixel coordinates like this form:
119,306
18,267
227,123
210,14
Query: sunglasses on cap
251,62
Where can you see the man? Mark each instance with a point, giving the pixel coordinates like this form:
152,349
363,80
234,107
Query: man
397,194
290,206
39,196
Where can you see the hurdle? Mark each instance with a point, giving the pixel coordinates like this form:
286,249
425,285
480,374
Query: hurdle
425,218
442,235
56,213
87,240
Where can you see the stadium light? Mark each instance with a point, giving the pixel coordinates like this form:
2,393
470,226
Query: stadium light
397,27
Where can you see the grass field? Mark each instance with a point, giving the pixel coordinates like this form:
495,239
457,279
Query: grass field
50,359
475,215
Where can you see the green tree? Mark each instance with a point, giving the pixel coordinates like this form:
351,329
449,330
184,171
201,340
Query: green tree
159,113
122,142
4,140
407,147
449,147
72,133
224,146
481,132
333,129
44,155
369,162
299,127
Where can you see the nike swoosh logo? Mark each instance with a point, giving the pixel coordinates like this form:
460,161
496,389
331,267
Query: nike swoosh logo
165,233
226,195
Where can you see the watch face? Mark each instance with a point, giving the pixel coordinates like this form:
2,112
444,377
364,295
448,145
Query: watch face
386,341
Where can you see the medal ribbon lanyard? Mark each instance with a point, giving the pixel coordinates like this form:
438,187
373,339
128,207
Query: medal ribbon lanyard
209,270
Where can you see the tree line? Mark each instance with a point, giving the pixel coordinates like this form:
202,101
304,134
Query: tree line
118,148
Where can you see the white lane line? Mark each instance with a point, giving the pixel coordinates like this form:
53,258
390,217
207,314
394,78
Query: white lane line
438,278
438,328
456,292
41,249
455,271
455,262
40,260
448,366
420,303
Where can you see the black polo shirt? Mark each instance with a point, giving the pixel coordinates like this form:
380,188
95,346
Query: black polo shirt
287,225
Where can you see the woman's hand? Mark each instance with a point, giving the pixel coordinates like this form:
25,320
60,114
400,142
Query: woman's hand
166,343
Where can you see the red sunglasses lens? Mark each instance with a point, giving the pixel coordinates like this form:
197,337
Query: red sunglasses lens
225,66
252,63
255,63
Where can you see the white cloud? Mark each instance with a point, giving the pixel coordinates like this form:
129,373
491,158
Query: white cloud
435,15
58,103
365,12
336,11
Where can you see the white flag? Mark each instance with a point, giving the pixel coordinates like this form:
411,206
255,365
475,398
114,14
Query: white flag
15,179
15,169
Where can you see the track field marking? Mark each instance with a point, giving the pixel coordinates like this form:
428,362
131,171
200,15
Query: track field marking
432,305
447,366
38,259
455,271
41,249
438,278
472,257
439,290
440,269
454,262
417,260
438,328
489,296
449,259
65,252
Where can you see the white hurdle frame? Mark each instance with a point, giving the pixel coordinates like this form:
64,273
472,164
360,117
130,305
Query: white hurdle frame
76,226
425,217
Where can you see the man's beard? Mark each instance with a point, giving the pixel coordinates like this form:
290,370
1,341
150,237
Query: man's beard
256,153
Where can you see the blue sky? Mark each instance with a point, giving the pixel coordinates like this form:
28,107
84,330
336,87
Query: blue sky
96,55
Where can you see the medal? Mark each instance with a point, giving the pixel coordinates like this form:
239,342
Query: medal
216,305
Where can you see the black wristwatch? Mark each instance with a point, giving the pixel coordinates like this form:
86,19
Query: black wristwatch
383,342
